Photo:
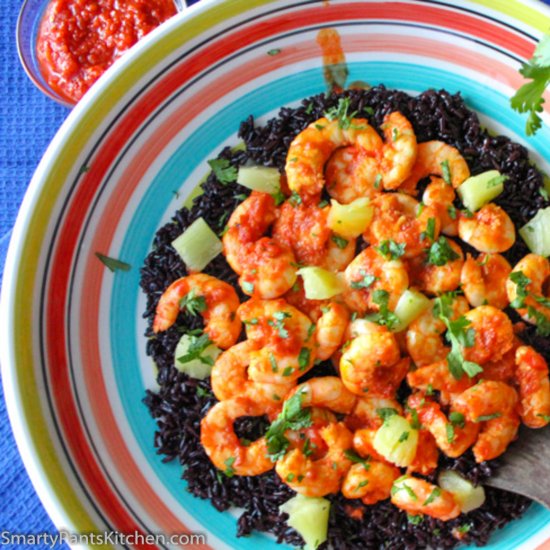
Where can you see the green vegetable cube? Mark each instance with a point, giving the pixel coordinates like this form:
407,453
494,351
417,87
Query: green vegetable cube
410,306
320,284
479,190
536,233
260,178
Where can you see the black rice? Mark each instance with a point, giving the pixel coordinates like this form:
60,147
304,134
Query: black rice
181,402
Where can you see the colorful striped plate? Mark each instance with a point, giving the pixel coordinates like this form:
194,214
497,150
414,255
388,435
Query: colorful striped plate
73,359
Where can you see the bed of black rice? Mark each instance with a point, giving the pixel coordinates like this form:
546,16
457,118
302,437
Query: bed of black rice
181,402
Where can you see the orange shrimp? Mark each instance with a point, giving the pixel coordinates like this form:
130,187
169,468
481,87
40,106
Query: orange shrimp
371,481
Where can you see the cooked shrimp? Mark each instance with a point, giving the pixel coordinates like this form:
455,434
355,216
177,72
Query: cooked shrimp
247,224
503,369
371,363
366,411
427,454
229,378
399,151
431,160
222,445
484,279
400,218
296,297
286,337
370,272
309,440
326,391
331,328
429,276
303,229
537,270
534,387
440,196
352,173
424,335
437,376
268,269
217,302
317,478
494,334
363,443
417,496
371,481
452,438
311,149
490,229
493,404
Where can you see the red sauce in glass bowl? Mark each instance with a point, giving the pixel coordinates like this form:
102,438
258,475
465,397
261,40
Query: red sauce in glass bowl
78,40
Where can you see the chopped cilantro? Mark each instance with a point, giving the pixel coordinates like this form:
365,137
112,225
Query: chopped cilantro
197,345
340,113
229,470
486,417
446,171
384,316
309,108
248,287
542,322
403,437
292,417
544,193
385,412
362,484
295,199
451,210
279,197
528,98
497,180
202,393
395,134
339,241
290,477
274,51
223,170
430,230
457,419
304,358
450,432
273,363
391,250
192,303
415,519
415,420
521,281
441,253
288,371
278,323
112,264
463,529
355,458
377,181
433,495
365,282
545,417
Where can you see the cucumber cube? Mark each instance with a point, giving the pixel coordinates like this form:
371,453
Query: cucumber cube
479,190
466,495
320,284
536,233
396,441
350,220
309,516
410,306
260,178
200,366
198,245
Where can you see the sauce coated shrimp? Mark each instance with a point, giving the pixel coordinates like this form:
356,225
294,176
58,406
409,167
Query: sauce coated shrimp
222,445
417,496
286,337
219,300
440,196
427,454
327,392
452,439
424,335
432,157
371,363
437,279
537,270
494,334
437,376
317,478
371,481
534,387
311,149
331,329
303,229
370,272
400,218
483,280
351,173
490,229
493,404
229,378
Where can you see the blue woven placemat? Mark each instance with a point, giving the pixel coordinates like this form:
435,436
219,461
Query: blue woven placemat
28,121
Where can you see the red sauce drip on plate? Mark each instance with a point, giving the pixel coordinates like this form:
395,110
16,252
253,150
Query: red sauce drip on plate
79,40
334,60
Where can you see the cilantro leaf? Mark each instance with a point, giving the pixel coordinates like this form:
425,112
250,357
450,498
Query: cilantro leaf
384,316
229,470
350,454
521,281
192,303
429,233
339,241
542,322
278,323
486,417
365,282
112,264
433,495
340,113
385,412
224,171
441,252
197,345
391,250
457,419
446,171
292,417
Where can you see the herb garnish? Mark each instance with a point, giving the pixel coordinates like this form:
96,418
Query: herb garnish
193,303
486,417
278,323
197,345
112,264
528,98
385,412
292,417
430,230
391,250
446,172
229,470
224,171
441,253
304,358
340,113
339,241
365,282
433,495
384,316
350,454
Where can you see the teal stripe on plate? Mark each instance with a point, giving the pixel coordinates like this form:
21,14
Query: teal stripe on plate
159,196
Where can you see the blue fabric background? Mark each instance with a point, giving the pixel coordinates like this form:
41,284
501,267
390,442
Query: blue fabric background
28,121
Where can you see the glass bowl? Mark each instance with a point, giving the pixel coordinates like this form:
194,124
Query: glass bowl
28,24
